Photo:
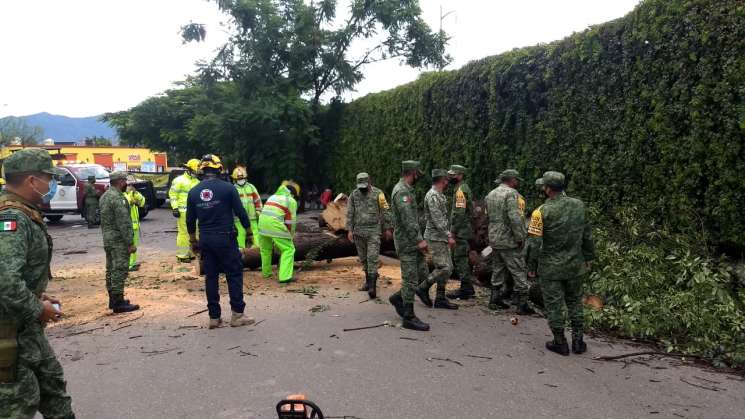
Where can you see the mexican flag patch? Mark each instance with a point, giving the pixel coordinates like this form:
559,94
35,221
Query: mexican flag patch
8,226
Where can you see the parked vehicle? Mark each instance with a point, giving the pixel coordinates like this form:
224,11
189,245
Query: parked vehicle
70,192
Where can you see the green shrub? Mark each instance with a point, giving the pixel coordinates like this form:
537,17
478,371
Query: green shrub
657,286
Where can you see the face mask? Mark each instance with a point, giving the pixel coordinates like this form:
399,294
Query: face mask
47,197
241,182
363,189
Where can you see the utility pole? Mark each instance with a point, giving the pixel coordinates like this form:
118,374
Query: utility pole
442,17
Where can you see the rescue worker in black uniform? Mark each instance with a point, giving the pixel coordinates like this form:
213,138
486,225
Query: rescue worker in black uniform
214,203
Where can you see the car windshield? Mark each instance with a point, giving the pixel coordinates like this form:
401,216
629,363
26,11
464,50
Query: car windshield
98,171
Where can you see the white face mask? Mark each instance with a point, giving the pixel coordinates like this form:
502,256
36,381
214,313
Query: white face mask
241,182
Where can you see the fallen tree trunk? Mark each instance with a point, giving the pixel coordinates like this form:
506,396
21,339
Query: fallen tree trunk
312,246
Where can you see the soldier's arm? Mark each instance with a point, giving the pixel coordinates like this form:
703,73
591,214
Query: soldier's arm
409,217
15,296
460,211
238,209
350,212
191,213
588,244
517,225
123,220
385,211
535,240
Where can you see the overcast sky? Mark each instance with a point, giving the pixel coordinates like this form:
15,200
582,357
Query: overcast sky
87,57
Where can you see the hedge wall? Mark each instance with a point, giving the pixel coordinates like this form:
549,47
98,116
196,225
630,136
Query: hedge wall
646,111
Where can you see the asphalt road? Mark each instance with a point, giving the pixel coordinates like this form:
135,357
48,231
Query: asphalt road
473,364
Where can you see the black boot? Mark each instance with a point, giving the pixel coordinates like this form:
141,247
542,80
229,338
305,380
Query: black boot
441,301
372,284
365,285
397,302
559,344
523,308
461,294
123,306
423,293
111,302
578,342
495,300
411,321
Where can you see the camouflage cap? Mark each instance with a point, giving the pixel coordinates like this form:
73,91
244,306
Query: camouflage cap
438,173
363,179
509,174
539,183
407,165
553,179
30,160
118,175
457,169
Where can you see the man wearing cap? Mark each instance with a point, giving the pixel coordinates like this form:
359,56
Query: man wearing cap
118,241
561,233
91,202
31,378
460,227
368,214
410,245
439,240
506,210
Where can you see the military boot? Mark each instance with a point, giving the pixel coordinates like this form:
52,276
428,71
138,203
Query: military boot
411,321
559,344
461,294
215,323
523,308
495,300
397,302
238,320
120,305
365,285
578,342
372,284
422,291
111,302
441,301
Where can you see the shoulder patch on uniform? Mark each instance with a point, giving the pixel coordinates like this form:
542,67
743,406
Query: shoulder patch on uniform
8,225
460,199
406,199
521,205
536,224
382,203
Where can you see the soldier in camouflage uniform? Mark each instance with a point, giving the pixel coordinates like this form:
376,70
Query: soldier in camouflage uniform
31,378
562,234
91,202
118,241
409,245
507,233
439,240
460,227
368,214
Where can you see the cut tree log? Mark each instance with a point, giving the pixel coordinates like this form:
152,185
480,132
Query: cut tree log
335,216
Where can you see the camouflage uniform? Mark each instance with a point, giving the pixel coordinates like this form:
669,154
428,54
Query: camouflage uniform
118,235
505,207
560,232
437,233
31,378
406,235
368,214
91,204
460,225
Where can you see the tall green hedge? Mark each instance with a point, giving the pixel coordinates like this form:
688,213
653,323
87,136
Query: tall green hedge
645,111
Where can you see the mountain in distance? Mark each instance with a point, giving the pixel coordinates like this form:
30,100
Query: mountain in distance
65,128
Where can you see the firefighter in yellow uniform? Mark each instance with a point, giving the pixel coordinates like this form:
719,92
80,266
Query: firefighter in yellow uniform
251,203
277,224
136,201
178,193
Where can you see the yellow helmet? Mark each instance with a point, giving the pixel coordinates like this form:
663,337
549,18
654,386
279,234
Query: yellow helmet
210,161
192,165
239,173
292,186
2,181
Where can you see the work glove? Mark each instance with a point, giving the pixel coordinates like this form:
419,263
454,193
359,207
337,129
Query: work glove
176,213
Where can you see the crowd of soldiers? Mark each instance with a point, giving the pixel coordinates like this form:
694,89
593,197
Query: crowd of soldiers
214,218
555,247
